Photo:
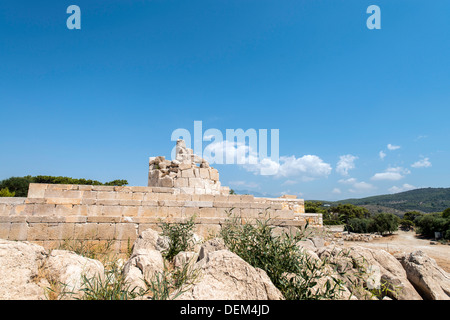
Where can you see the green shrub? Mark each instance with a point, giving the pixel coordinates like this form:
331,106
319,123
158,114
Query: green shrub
180,237
6,193
358,225
20,185
428,224
293,272
384,223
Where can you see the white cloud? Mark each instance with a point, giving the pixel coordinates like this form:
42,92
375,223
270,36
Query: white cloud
348,181
404,187
289,182
424,163
336,191
392,174
362,187
382,155
246,184
346,163
307,167
392,147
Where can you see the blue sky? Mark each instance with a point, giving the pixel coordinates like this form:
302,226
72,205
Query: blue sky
97,102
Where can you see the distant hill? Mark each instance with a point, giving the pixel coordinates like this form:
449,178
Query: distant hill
425,200
255,193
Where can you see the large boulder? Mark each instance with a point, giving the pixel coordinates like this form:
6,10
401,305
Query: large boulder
211,246
428,278
20,266
150,239
368,269
142,266
67,269
225,276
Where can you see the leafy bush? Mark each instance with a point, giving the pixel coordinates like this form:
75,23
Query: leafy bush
358,225
345,212
6,193
406,225
293,272
428,224
384,223
19,185
180,237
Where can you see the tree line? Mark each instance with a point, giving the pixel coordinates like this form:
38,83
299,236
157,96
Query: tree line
18,186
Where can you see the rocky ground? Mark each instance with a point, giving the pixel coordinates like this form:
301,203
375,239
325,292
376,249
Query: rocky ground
408,242
401,263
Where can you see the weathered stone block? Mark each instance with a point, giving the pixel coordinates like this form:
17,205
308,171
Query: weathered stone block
106,231
188,173
4,230
37,190
187,190
18,232
62,210
148,211
214,174
181,182
199,191
166,182
112,211
104,195
199,204
207,212
37,231
126,231
130,211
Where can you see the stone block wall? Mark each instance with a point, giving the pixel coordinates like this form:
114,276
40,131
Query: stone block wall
189,173
53,213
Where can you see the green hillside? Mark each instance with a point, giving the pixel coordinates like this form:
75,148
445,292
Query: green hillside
425,200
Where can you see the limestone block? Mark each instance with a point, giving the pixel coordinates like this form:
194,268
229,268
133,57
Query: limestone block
4,230
111,211
85,188
125,231
107,202
207,212
130,211
199,204
214,174
86,231
37,190
185,165
204,173
199,191
247,198
89,195
187,190
166,181
18,232
103,195
137,196
103,188
183,197
148,211
162,190
37,231
196,172
130,202
187,173
196,183
106,231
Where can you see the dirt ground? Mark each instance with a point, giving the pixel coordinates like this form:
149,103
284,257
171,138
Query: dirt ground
403,241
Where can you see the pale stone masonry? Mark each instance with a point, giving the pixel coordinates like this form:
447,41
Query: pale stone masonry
54,212
188,173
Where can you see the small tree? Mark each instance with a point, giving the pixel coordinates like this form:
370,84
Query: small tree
384,223
6,193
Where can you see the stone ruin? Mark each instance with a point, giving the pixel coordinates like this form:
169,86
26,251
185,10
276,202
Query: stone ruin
189,173
177,190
